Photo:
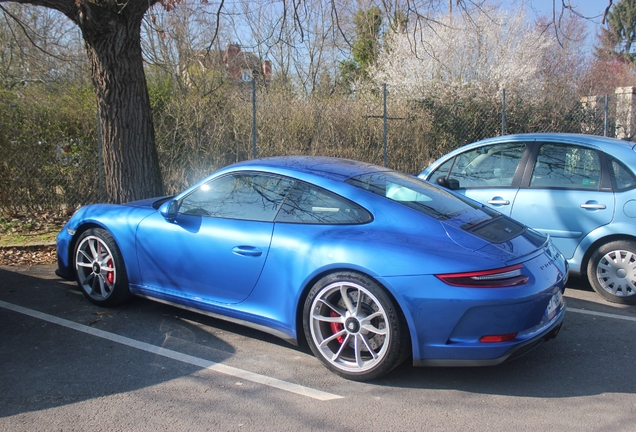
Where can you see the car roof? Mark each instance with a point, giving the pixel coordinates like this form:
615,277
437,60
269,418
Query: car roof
590,140
622,150
328,167
615,147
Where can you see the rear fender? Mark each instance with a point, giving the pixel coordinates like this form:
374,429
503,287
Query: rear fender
596,238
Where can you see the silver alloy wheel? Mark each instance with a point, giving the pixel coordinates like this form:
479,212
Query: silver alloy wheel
349,327
616,273
95,267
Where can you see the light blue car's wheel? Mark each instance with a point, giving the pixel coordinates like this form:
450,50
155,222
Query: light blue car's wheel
354,327
612,272
100,269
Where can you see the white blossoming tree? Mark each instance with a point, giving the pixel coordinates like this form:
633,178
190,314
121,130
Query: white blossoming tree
464,56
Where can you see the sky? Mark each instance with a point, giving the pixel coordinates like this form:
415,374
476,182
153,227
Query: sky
592,9
589,8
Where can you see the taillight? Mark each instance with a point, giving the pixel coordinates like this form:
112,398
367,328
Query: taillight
497,278
498,338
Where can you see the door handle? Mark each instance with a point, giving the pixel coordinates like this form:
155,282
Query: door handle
590,206
498,201
249,251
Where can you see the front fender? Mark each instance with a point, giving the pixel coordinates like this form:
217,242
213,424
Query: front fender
119,220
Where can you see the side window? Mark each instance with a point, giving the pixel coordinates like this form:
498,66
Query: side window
622,177
491,166
309,204
238,196
566,166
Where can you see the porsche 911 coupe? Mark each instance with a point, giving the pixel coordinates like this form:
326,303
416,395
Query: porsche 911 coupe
367,265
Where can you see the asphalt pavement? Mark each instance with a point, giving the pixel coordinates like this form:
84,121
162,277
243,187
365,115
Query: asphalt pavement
66,364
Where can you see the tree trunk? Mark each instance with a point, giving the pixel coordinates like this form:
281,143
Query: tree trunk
112,36
131,166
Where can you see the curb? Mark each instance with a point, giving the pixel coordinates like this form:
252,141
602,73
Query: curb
28,245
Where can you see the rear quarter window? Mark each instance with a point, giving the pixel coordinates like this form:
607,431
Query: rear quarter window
309,204
622,178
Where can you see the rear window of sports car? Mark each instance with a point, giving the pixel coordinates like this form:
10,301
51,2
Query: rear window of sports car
414,193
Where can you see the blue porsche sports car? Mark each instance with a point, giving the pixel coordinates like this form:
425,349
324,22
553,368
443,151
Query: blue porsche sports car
367,265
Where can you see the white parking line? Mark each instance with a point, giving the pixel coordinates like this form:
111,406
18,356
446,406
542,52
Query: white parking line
185,358
602,314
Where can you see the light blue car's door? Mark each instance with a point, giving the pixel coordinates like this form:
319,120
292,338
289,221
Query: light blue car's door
216,247
564,198
486,174
500,199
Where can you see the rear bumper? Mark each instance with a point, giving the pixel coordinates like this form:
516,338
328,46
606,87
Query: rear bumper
454,326
511,350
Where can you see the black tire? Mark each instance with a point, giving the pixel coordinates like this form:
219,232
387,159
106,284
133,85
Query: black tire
612,271
358,340
99,268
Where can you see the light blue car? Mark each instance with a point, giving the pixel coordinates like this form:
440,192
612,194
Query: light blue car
579,189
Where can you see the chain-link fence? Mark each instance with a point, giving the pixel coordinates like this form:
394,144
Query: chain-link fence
198,134
42,177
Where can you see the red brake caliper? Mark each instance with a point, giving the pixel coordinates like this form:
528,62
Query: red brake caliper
111,275
337,328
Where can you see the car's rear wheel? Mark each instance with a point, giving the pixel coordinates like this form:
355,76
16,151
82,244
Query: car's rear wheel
100,269
612,271
354,327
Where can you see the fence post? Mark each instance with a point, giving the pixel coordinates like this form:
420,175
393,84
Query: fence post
385,123
606,117
503,113
100,159
254,117
625,112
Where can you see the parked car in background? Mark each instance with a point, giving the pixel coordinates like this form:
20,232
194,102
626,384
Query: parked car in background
579,189
368,265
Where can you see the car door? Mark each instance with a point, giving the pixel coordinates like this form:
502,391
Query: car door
216,247
565,194
488,174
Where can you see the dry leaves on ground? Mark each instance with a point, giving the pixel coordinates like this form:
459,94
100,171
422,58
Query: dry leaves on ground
26,226
28,255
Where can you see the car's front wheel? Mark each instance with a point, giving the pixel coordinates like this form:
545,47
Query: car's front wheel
100,269
612,271
354,327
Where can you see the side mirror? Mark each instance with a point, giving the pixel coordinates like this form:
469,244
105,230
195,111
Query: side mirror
169,210
448,183
453,184
441,181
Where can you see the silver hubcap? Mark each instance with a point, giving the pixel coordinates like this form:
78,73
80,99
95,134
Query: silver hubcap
616,272
95,268
350,327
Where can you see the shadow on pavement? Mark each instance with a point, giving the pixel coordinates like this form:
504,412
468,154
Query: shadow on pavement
44,365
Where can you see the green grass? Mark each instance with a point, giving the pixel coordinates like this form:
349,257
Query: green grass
29,229
26,239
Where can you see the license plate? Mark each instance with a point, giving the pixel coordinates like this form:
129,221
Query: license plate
554,303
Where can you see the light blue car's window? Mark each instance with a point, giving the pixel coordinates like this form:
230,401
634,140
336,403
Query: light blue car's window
414,193
566,166
622,177
310,204
238,196
489,166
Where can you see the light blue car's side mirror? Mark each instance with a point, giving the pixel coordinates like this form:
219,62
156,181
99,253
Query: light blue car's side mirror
169,210
448,183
